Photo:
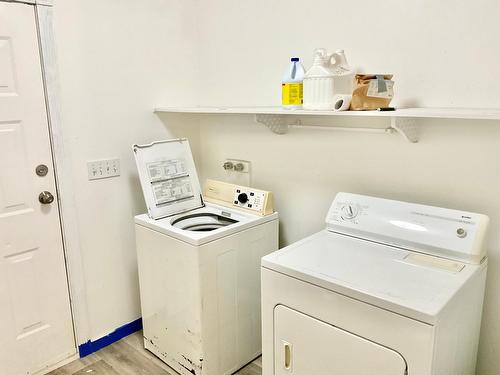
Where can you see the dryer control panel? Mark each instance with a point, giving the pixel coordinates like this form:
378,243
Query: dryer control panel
442,232
243,197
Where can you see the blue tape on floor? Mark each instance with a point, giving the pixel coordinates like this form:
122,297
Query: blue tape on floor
93,346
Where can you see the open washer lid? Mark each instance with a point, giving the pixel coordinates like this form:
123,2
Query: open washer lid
168,177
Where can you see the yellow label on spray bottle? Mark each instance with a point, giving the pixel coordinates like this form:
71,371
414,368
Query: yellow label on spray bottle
292,93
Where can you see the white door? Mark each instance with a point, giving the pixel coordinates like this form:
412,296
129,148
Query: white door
36,328
307,346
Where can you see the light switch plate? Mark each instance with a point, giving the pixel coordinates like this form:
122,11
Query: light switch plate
105,168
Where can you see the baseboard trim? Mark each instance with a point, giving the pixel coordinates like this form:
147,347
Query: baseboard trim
92,346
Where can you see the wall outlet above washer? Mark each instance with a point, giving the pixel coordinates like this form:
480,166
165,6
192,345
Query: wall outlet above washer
235,165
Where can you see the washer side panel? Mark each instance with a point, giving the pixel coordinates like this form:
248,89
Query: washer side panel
230,282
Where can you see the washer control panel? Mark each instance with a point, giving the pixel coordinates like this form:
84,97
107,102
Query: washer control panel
242,197
438,231
249,198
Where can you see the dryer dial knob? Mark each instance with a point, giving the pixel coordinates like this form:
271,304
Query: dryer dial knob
349,212
243,198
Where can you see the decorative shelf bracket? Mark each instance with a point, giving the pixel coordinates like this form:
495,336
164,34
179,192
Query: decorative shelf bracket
278,124
407,127
281,124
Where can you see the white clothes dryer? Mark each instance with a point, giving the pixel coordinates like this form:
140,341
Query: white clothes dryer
388,288
199,263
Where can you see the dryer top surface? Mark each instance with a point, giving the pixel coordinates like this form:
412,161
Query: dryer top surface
411,284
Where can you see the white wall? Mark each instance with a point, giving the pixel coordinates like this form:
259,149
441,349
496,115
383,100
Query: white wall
116,59
442,54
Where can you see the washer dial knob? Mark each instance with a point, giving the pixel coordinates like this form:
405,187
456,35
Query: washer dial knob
243,198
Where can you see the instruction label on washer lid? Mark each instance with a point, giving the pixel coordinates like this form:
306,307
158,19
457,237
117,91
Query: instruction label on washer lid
172,190
166,169
170,181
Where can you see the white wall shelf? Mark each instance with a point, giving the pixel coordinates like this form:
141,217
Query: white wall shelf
402,120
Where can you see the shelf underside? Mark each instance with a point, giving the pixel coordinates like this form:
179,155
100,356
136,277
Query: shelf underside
441,113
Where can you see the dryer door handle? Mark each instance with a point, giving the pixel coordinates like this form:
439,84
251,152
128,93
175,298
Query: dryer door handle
287,355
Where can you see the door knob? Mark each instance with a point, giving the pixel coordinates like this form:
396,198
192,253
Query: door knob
46,197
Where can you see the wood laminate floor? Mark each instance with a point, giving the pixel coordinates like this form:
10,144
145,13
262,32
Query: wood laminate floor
128,357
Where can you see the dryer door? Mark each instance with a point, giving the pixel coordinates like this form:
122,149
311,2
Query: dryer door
307,346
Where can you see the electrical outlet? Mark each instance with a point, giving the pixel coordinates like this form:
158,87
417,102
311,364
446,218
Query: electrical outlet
234,165
105,168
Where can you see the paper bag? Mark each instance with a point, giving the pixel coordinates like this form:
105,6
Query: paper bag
372,91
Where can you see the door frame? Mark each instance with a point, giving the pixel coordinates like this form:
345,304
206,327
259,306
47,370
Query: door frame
62,169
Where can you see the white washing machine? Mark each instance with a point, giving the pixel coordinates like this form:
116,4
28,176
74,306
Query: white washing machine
388,288
199,263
